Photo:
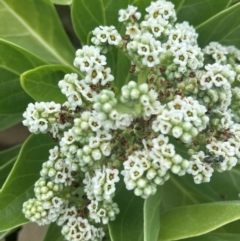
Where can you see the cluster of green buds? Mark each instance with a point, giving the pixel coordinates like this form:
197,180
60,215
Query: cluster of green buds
173,100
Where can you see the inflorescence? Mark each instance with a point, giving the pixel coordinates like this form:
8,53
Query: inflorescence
179,97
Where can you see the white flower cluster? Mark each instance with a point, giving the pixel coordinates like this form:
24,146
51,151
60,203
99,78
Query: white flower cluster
144,170
44,212
183,118
105,36
43,117
133,94
216,83
200,170
227,151
173,113
92,64
100,190
144,50
78,228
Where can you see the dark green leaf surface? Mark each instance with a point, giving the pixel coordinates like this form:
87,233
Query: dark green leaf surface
7,160
123,75
152,216
35,26
5,170
232,227
192,11
53,233
13,62
8,154
216,237
129,222
7,121
42,83
190,221
62,2
176,192
19,185
223,186
223,27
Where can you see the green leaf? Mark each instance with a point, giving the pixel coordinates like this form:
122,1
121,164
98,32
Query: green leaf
192,11
176,192
18,187
123,75
232,227
35,25
6,233
223,186
152,216
194,220
216,237
8,154
62,2
7,121
53,233
7,160
13,99
223,27
5,170
42,83
129,222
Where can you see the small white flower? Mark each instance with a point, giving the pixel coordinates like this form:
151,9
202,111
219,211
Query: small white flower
168,150
112,175
151,59
206,80
143,49
177,131
165,127
195,167
136,172
198,178
96,154
159,141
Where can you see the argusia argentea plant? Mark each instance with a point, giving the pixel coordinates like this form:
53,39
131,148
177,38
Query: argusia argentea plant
105,133
177,114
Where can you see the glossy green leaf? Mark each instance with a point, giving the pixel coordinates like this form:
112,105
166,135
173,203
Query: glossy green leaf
176,192
232,227
35,25
152,216
19,185
192,11
62,2
53,233
7,121
42,83
8,154
129,222
216,237
223,27
194,220
13,62
5,170
7,160
223,186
